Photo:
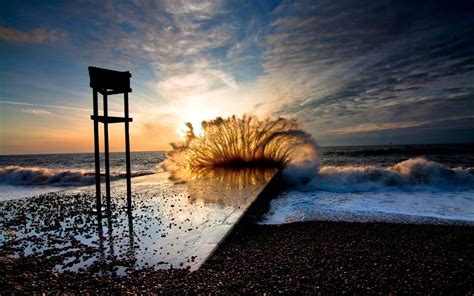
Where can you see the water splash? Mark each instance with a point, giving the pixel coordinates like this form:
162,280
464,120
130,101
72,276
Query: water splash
247,141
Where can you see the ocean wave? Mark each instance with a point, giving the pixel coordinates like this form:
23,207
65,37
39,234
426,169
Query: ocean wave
17,175
414,174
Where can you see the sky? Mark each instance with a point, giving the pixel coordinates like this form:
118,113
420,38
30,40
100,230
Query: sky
352,72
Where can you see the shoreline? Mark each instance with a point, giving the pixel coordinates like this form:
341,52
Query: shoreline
309,257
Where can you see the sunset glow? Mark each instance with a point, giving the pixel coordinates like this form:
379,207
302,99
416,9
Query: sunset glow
368,81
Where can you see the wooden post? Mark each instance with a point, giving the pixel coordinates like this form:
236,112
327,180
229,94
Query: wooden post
96,153
127,153
106,152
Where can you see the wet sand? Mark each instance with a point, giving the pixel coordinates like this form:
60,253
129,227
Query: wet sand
310,257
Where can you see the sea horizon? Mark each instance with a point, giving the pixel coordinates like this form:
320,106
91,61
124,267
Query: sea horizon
320,146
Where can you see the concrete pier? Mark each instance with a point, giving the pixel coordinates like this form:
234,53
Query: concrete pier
174,224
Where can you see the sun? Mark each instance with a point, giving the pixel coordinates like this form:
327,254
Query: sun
195,111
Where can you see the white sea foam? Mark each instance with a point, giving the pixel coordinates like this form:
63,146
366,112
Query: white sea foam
416,188
295,206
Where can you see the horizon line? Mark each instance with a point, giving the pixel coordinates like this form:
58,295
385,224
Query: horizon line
326,146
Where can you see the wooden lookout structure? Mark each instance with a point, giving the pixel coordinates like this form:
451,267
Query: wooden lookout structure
107,83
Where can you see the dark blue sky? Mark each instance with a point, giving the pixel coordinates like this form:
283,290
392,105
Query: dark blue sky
353,72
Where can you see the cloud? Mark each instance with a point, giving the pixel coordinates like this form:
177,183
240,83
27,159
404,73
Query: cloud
200,78
188,46
351,67
339,66
11,102
199,9
458,130
36,111
34,36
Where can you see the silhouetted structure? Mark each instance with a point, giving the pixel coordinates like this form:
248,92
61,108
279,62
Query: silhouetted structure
109,82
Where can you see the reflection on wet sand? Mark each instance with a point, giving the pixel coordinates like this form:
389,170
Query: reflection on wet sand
229,177
107,263
131,234
200,181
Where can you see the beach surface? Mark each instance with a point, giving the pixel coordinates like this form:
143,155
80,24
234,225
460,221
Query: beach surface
310,257
172,244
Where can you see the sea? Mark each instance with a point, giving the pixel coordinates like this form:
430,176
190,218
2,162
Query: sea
352,183
30,175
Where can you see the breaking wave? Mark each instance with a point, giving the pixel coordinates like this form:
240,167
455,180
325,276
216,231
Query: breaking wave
246,141
414,174
17,175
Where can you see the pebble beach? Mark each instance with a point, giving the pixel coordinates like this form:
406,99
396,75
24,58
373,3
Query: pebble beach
311,258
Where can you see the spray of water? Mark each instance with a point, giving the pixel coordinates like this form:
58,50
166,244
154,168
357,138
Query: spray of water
247,141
